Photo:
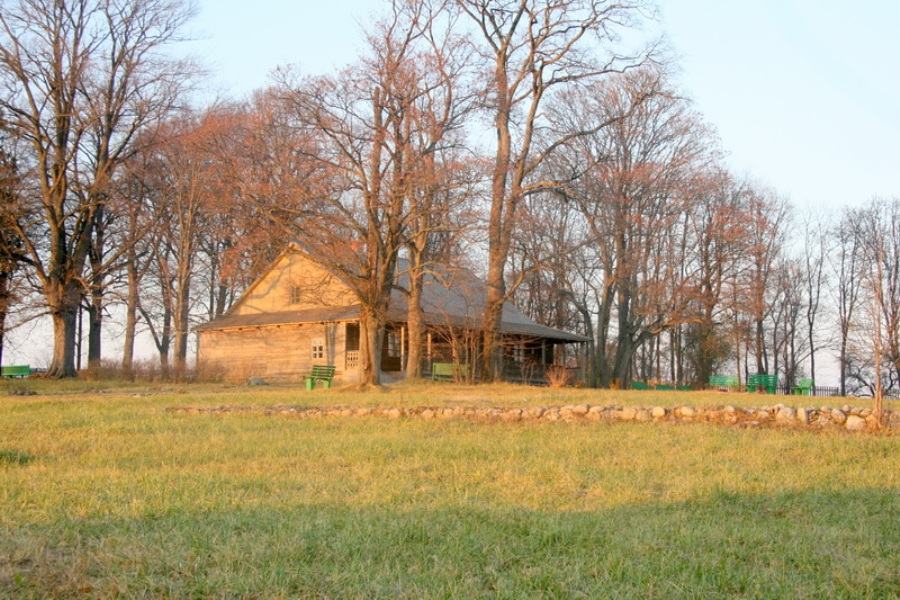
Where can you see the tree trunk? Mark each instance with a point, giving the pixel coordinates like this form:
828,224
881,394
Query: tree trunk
95,328
182,324
65,302
414,322
369,348
131,312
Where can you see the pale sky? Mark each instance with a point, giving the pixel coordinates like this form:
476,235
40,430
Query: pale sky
804,93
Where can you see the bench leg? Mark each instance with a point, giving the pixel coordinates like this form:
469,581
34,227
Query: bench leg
326,383
310,383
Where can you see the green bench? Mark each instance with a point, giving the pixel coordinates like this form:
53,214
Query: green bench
761,382
15,371
448,371
640,385
803,388
323,373
723,383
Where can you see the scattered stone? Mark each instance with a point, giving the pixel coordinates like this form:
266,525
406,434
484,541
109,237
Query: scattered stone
894,420
535,413
853,419
839,416
256,381
512,415
785,414
626,414
551,414
855,423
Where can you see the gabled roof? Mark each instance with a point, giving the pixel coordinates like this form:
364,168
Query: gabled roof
450,297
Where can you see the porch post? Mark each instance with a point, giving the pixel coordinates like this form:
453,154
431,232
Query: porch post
403,348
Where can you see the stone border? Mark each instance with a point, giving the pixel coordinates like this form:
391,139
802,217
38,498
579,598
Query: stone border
824,417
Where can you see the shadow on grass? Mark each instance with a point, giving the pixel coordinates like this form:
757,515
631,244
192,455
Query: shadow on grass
800,545
15,457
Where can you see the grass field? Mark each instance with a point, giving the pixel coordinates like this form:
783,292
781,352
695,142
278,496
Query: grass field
105,493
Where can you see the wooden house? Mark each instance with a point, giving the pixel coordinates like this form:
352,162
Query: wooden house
297,314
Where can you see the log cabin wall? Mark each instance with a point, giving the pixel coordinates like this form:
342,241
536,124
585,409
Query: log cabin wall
284,351
295,283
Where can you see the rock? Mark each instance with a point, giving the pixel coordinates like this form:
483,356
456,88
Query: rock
535,412
785,414
626,414
894,420
855,423
581,410
658,412
687,412
393,413
803,416
256,381
512,415
643,415
838,416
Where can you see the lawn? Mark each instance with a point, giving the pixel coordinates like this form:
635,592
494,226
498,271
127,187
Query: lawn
105,493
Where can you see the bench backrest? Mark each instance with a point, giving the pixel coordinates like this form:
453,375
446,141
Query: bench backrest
322,371
15,371
449,370
443,369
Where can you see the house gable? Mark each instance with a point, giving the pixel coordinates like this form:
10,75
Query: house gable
294,283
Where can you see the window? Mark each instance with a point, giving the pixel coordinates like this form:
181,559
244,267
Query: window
393,344
318,348
295,296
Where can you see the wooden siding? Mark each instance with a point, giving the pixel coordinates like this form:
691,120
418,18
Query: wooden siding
316,286
282,351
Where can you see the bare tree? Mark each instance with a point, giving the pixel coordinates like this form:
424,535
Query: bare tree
529,51
639,173
766,218
717,238
846,263
881,275
81,78
817,247
361,161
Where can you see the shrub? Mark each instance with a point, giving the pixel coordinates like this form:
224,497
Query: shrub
557,376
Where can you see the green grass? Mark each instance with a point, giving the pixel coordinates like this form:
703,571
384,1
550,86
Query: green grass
105,495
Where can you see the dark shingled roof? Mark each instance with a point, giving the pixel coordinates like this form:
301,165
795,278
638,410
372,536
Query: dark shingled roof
450,297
